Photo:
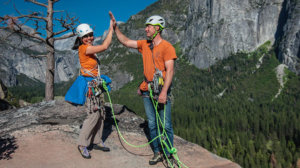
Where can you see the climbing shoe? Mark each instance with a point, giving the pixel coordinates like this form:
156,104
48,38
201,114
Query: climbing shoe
155,159
101,147
84,152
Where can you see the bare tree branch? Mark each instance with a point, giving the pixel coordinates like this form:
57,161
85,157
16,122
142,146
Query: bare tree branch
65,37
17,28
36,24
32,15
17,9
37,3
67,24
60,32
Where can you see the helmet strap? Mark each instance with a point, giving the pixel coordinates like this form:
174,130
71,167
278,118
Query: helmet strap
155,34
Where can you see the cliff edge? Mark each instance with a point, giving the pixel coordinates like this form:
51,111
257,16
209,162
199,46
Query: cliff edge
44,135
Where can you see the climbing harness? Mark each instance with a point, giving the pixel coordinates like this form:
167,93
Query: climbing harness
96,88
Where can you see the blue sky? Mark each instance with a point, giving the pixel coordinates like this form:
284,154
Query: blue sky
93,12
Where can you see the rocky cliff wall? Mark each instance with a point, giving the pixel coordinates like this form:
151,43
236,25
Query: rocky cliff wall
210,30
21,55
289,41
215,29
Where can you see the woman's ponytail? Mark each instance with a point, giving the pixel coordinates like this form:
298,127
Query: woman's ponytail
77,43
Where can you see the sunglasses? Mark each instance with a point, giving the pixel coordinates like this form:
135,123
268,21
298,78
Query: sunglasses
88,35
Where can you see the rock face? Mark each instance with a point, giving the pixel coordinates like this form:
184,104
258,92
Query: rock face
210,30
20,55
44,135
214,29
289,47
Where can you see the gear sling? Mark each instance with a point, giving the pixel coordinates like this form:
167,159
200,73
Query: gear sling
157,82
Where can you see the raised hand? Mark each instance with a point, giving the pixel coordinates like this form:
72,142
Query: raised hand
112,18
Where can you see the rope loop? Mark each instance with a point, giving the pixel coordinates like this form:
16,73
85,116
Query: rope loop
173,150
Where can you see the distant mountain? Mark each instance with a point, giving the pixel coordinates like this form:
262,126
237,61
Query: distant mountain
206,31
209,30
65,44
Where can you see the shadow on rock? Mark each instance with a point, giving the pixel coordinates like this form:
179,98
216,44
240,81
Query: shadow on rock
4,105
7,147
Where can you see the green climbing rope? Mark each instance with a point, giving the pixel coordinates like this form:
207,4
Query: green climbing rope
171,150
117,127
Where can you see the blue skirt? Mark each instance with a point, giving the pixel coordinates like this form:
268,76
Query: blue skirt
77,92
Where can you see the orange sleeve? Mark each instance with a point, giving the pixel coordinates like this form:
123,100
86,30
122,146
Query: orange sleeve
140,44
170,53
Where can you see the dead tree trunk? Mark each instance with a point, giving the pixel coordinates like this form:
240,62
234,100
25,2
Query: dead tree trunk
50,70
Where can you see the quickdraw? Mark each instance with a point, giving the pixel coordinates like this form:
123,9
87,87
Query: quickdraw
95,87
157,84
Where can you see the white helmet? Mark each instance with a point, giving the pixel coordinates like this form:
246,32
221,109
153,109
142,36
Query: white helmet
156,20
83,29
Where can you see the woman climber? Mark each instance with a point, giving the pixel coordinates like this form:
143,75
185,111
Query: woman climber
90,136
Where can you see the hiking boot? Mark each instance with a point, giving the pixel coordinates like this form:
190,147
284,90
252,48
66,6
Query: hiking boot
84,152
101,147
155,159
